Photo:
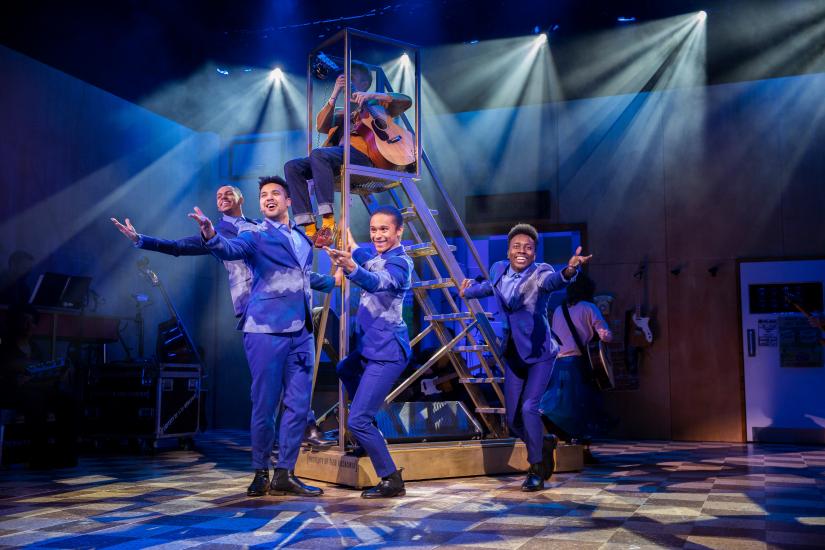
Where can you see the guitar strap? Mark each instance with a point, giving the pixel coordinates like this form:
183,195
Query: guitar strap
576,337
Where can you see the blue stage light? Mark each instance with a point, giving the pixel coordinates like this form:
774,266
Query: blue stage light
224,72
622,19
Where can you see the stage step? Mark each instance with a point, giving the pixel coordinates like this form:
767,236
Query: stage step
410,213
497,380
434,283
490,410
372,186
424,249
454,316
479,347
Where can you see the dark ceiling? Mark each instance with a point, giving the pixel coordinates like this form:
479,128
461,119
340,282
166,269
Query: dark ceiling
133,47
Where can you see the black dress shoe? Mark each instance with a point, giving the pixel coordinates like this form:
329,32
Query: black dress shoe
388,487
548,457
534,481
259,485
315,437
284,482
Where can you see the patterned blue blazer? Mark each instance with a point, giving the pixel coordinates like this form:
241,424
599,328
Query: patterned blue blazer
240,278
381,333
525,315
280,300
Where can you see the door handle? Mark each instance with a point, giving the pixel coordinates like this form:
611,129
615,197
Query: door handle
751,342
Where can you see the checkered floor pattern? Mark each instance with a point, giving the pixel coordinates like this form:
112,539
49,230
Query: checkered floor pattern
641,495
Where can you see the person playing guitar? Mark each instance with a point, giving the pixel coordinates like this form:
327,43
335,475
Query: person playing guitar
323,163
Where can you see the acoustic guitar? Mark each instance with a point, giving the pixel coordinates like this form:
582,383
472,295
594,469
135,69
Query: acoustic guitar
389,146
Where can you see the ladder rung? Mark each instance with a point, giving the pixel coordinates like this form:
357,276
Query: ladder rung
479,347
373,186
435,283
497,380
454,317
490,410
423,249
410,213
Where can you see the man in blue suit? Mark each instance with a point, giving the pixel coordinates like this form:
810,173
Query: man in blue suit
522,288
229,201
277,328
230,204
382,348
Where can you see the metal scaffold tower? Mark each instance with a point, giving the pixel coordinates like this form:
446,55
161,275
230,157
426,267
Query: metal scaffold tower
472,336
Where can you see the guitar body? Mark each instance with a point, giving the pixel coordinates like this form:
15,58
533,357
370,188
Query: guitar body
601,363
392,142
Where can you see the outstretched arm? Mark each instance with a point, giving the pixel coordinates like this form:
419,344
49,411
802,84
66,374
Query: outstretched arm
188,246
239,248
394,276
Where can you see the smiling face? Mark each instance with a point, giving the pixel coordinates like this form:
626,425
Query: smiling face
229,202
521,252
274,202
384,233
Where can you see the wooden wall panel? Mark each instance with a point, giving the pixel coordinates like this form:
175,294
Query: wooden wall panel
705,374
610,175
723,200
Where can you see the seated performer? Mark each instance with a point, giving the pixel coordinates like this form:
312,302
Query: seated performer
277,327
382,347
323,163
573,402
522,288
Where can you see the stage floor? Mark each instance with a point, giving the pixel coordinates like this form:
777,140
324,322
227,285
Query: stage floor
642,494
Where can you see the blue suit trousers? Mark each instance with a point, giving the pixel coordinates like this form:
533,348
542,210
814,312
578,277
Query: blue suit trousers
524,385
368,382
279,363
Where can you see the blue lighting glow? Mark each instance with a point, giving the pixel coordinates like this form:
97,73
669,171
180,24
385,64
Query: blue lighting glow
224,72
626,19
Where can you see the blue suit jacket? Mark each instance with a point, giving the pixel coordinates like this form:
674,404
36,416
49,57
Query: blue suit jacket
381,333
240,278
525,316
281,297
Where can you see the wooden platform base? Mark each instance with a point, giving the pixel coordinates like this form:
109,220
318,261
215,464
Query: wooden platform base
431,461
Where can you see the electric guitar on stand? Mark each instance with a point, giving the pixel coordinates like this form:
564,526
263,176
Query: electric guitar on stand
640,334
389,145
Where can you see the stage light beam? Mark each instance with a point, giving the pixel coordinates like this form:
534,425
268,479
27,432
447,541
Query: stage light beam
276,75
702,15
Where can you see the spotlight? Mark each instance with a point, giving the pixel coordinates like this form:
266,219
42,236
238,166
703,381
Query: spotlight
224,72
405,58
541,38
702,15
276,75
626,19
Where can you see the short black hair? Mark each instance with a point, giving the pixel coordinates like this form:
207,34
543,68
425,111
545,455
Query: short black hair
361,68
391,211
581,290
523,229
263,180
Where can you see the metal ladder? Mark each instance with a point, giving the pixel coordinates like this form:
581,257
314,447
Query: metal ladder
429,242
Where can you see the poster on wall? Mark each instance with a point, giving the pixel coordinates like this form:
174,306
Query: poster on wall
798,342
768,336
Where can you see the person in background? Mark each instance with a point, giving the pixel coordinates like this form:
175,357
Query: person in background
572,403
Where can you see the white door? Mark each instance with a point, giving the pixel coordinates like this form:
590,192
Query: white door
783,366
